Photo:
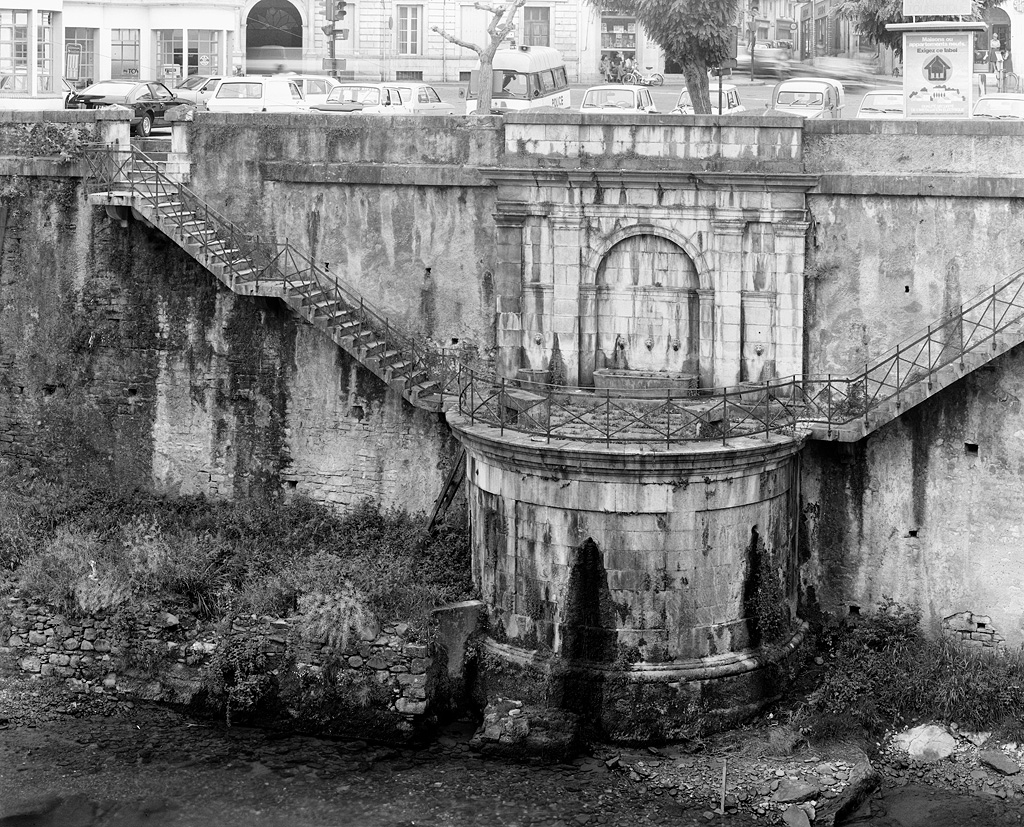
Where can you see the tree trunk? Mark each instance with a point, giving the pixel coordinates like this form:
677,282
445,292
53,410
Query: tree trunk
695,71
485,82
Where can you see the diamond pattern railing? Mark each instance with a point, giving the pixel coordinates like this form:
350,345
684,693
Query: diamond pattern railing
253,265
843,408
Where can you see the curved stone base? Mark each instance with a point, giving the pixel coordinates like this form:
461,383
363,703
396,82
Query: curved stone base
643,702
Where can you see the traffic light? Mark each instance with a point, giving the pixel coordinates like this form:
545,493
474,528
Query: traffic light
339,9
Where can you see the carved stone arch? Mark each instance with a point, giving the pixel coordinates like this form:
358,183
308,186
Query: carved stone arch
686,244
645,309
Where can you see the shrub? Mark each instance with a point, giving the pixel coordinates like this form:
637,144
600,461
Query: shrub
882,671
91,549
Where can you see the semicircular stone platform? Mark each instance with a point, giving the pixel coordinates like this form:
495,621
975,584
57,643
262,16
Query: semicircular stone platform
651,591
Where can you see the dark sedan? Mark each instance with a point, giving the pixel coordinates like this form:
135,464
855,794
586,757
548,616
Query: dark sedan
149,101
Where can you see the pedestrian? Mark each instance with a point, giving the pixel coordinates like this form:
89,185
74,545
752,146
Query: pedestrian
616,67
627,67
605,68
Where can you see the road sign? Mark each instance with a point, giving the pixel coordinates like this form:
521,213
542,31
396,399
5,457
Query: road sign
334,65
204,60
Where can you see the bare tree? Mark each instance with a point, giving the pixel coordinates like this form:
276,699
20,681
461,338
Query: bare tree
502,21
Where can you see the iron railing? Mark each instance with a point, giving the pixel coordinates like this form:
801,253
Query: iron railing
268,266
555,412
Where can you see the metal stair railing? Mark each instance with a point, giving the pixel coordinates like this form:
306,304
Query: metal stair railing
263,263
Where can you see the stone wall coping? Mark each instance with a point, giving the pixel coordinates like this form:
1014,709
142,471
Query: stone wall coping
575,117
945,128
63,115
346,122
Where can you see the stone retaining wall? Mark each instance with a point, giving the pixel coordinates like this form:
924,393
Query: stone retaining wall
166,658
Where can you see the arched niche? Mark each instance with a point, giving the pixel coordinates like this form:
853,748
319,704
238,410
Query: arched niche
643,313
273,36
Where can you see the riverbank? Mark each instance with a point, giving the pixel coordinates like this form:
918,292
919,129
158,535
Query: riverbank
91,760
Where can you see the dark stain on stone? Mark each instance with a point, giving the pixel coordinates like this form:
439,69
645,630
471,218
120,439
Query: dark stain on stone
588,624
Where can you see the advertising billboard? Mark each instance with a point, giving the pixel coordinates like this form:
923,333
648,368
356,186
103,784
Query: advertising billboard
936,8
938,79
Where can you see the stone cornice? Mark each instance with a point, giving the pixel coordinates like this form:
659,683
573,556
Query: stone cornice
675,178
566,459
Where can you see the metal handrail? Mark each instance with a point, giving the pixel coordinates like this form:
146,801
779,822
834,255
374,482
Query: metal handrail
781,406
269,261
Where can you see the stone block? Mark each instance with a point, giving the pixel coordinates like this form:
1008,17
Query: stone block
71,643
408,707
30,663
36,638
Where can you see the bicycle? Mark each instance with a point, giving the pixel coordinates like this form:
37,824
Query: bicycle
638,79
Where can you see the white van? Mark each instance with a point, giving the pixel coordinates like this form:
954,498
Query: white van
525,78
257,94
314,88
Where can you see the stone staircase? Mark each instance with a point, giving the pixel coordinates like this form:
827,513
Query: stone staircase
248,265
985,328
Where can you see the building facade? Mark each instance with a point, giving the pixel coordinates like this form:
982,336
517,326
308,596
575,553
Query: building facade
43,41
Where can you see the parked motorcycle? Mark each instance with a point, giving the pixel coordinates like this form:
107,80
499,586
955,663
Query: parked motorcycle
638,79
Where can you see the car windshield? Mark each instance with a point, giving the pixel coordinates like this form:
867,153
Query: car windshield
109,88
191,82
366,95
684,100
615,98
508,83
237,90
882,103
800,98
999,108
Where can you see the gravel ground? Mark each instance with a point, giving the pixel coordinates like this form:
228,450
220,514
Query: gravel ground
80,760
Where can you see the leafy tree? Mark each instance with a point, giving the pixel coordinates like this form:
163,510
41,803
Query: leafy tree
502,21
693,33
872,16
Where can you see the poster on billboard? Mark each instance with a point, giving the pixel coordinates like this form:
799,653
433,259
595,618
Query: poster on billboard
938,78
936,8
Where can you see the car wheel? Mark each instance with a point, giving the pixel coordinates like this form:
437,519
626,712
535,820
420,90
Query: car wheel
145,125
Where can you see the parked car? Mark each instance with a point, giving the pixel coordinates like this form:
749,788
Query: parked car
419,99
148,100
340,99
1007,106
315,88
730,101
395,98
372,98
197,88
617,98
257,94
811,98
882,104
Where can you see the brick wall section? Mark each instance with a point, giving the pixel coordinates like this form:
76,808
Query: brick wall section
90,653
